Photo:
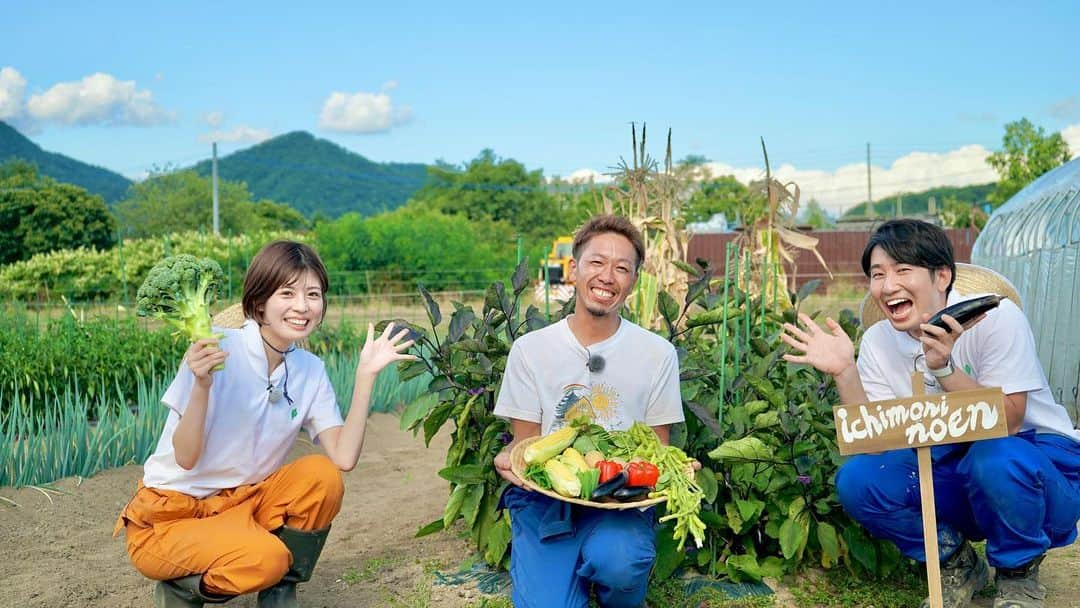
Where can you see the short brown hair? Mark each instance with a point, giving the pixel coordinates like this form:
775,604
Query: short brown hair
277,264
602,224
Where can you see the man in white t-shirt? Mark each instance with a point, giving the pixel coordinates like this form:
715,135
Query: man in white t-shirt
595,363
1021,493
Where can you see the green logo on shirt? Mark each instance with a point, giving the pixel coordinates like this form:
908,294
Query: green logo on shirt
967,369
292,414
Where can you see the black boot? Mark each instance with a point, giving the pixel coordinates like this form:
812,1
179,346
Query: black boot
186,592
305,546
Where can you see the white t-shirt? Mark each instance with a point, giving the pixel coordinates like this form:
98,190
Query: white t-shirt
997,351
547,380
247,436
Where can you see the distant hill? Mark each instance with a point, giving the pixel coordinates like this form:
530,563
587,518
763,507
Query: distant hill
919,202
111,186
315,175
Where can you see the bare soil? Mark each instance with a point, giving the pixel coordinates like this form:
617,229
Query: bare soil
57,549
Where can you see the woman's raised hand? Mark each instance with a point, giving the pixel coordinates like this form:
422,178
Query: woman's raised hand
388,348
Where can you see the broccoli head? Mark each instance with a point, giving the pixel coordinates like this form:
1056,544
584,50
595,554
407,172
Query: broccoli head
179,290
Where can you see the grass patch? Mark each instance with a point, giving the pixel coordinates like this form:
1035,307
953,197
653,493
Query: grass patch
838,588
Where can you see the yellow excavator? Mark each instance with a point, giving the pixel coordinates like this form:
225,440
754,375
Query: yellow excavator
557,262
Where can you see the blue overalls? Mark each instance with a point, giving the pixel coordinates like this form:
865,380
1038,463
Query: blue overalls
559,550
1020,493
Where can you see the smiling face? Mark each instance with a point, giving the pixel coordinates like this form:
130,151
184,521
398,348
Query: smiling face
293,311
604,274
906,292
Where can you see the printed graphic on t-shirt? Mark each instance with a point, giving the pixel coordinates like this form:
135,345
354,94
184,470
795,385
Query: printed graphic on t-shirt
600,403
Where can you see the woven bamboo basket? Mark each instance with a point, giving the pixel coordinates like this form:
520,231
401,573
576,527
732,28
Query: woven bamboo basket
517,465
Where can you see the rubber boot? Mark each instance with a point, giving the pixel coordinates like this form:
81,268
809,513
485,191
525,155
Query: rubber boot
185,592
305,546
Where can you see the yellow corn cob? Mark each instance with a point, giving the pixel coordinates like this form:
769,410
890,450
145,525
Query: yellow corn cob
551,445
573,459
563,480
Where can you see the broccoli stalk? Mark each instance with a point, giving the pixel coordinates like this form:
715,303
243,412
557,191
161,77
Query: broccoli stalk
179,290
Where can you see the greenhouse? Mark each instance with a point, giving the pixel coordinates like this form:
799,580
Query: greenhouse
1034,240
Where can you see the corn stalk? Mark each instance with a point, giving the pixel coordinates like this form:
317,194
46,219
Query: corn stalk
651,198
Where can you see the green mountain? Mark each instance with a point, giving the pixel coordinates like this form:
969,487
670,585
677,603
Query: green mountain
317,176
919,202
111,186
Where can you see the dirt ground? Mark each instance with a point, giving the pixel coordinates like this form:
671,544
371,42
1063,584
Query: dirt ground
57,548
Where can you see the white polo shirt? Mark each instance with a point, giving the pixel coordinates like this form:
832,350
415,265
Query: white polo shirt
997,351
247,436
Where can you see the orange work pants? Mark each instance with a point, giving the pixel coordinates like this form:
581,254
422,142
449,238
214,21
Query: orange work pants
227,537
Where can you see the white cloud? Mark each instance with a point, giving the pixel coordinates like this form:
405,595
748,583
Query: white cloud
214,119
97,99
1071,134
845,187
585,176
362,112
12,89
242,133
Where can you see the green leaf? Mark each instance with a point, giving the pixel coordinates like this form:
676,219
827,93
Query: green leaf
792,538
743,567
453,506
668,556
861,547
436,419
498,539
767,419
750,510
772,566
412,369
465,474
417,409
433,312
470,507
830,545
520,280
459,322
439,383
808,288
747,448
706,417
431,528
669,308
706,480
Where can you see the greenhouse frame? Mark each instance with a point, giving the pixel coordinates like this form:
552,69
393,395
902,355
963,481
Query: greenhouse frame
1034,240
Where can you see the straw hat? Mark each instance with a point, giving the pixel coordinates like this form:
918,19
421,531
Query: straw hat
230,318
970,279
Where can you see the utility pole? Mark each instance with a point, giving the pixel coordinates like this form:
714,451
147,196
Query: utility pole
869,192
213,180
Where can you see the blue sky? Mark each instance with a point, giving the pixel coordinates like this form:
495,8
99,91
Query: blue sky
134,85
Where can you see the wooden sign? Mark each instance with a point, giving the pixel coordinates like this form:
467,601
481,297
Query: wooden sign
920,421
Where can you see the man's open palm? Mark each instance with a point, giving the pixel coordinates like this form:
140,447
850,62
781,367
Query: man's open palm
830,351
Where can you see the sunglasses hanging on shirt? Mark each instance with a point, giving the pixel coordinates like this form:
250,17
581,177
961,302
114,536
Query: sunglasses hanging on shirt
277,392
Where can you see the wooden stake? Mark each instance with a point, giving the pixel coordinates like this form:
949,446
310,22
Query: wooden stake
929,509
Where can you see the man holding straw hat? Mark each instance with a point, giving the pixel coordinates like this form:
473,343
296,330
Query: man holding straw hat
1020,493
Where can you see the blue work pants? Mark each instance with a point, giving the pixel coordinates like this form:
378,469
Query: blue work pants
559,551
1021,493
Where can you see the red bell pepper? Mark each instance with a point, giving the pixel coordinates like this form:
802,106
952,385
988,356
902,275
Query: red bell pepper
642,474
608,469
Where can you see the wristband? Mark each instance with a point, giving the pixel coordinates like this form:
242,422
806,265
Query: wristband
944,372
